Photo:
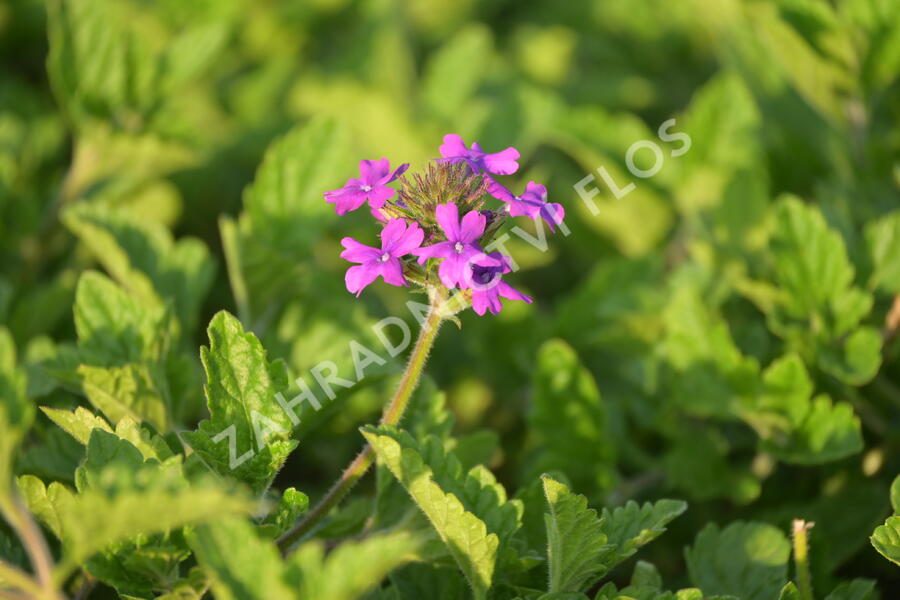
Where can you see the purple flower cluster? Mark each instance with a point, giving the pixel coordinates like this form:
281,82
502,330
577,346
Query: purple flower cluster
427,212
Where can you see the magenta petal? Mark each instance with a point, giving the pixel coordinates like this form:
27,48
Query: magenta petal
345,200
357,252
502,163
450,271
498,190
536,190
408,241
472,227
378,195
508,291
453,146
372,171
553,214
359,276
479,302
392,232
392,272
397,173
439,250
447,216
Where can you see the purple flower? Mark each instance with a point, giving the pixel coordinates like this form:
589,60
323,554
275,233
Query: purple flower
454,150
374,175
532,203
488,286
396,240
461,249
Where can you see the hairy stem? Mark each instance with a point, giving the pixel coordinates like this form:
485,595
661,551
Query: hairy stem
33,540
801,558
393,412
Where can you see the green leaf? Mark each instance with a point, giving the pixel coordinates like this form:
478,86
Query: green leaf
121,495
819,309
883,241
569,421
291,505
858,589
285,212
577,544
16,411
886,539
789,592
796,428
827,432
466,536
143,258
747,560
78,423
129,391
352,569
630,527
895,495
240,564
113,327
454,72
248,434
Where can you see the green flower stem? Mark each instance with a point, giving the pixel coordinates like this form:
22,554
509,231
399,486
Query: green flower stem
393,412
801,558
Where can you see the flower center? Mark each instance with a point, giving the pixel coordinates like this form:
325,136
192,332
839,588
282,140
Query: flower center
385,257
366,188
458,246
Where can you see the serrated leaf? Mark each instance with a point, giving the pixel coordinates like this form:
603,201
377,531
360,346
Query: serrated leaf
569,420
466,536
886,539
129,391
143,257
291,505
827,432
577,544
248,434
240,564
746,559
630,527
794,427
120,496
352,569
78,423
819,308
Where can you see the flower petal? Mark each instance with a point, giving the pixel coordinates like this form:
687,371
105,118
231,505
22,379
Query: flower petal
357,252
508,291
553,214
372,171
498,190
380,194
407,241
447,216
359,276
392,272
450,270
453,147
472,227
345,200
397,173
439,250
392,232
502,163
